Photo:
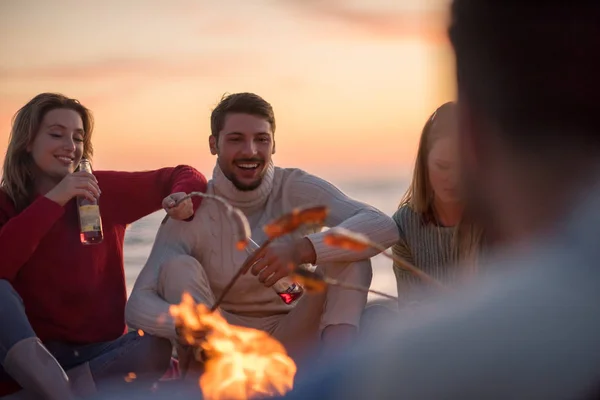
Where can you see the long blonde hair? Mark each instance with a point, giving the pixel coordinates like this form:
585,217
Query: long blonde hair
18,170
420,195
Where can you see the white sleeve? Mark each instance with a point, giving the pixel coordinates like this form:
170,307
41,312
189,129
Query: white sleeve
346,213
145,309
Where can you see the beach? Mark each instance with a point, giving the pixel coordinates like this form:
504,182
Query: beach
383,195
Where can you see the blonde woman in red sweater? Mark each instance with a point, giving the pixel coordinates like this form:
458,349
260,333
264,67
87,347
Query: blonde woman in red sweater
61,302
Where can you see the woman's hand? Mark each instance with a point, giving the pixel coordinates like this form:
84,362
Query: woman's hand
180,211
77,184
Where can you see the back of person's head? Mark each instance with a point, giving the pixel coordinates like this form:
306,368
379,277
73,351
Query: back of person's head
528,76
531,70
19,167
240,103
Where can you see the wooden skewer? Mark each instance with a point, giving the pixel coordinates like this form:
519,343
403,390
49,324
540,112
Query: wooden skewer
243,269
412,269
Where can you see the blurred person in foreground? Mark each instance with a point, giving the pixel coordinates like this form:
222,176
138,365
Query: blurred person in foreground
528,83
202,258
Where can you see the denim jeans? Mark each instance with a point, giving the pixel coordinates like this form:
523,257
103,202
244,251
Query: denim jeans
110,363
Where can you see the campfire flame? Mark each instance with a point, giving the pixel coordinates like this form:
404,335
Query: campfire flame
241,363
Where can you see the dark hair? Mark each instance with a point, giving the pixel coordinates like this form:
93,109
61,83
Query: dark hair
243,103
530,68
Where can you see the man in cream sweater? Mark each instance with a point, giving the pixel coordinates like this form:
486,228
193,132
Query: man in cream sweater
200,257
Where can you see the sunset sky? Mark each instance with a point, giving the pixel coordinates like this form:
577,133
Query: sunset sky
351,81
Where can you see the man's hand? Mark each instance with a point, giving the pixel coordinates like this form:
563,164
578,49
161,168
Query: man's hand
181,211
280,258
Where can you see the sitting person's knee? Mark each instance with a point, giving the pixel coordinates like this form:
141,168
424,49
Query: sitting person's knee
175,276
357,272
177,266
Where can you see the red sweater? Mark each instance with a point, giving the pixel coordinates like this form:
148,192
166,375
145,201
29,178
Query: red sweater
72,292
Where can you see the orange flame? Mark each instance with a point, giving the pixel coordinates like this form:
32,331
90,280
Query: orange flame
242,363
292,221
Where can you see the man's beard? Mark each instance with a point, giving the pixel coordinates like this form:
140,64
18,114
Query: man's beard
244,187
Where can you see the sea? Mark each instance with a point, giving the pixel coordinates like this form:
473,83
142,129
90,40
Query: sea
383,194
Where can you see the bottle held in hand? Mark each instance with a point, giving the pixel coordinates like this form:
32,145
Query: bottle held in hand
90,221
288,291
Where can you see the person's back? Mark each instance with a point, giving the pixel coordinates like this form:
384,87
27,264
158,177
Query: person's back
528,82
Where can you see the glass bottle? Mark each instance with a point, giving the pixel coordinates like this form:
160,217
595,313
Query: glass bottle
288,290
90,221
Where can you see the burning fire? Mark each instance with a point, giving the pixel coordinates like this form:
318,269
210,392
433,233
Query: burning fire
241,363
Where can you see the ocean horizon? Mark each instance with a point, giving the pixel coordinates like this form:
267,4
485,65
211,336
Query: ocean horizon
382,194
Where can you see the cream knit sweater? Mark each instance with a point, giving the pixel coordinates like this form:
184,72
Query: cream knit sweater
210,238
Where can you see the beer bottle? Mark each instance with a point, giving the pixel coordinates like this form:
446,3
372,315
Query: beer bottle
286,288
90,222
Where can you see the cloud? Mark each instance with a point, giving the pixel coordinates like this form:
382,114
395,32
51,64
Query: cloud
377,22
105,81
129,68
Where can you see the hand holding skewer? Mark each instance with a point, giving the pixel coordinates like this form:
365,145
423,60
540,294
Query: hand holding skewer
240,222
283,225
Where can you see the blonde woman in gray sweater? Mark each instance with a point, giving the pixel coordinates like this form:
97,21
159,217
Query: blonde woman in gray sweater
434,233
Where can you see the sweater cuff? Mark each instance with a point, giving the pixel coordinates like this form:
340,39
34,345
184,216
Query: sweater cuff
325,253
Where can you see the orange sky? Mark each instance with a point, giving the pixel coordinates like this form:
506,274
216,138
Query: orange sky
351,81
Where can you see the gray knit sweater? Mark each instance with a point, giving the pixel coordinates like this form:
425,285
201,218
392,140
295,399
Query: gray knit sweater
426,246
